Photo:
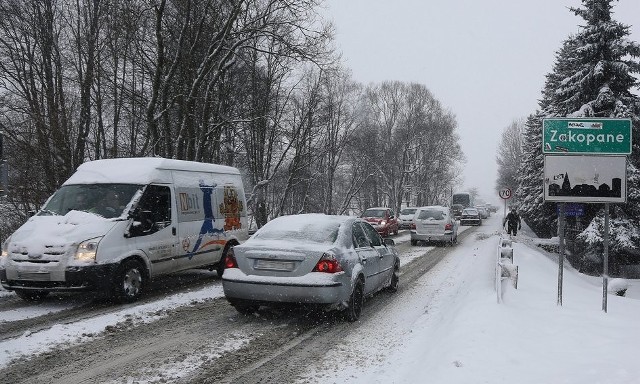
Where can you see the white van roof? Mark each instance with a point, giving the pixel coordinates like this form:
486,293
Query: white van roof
140,170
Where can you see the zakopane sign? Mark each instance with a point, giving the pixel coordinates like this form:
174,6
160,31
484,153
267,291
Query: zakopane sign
585,159
588,136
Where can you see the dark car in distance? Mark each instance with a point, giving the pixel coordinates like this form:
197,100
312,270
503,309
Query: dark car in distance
470,216
456,211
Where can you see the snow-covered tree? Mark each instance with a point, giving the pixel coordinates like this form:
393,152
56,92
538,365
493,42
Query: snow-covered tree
603,80
539,216
593,77
510,156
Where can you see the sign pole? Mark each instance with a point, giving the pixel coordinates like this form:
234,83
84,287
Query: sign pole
561,256
504,213
605,273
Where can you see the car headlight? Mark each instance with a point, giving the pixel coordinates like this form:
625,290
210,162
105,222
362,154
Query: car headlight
383,223
86,251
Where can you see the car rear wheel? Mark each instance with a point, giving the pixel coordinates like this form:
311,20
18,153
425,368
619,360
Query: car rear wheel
356,302
414,242
29,295
129,281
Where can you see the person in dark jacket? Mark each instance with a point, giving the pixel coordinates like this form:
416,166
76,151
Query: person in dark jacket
513,222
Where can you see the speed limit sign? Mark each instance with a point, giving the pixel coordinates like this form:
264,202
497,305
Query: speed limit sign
505,193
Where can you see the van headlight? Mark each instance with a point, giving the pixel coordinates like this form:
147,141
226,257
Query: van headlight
5,253
86,251
5,249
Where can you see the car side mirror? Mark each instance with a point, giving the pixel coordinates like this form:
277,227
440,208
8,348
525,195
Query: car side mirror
388,241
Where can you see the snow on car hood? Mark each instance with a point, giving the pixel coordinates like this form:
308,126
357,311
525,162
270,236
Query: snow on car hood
41,233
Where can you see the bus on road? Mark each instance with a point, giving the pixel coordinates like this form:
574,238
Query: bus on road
463,198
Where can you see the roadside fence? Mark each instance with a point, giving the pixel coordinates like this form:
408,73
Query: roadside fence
505,268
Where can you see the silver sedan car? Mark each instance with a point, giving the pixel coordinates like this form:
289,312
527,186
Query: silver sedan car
332,261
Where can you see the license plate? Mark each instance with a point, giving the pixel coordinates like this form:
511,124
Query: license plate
34,276
274,265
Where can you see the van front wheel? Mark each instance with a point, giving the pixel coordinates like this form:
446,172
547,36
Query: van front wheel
129,281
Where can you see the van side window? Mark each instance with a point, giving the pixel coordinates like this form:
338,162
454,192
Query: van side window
154,209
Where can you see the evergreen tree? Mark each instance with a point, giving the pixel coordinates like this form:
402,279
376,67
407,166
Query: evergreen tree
592,77
602,81
509,157
539,216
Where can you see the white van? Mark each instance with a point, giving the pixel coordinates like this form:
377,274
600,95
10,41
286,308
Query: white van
117,223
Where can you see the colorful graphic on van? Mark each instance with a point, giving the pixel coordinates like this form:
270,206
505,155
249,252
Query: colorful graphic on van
231,208
208,228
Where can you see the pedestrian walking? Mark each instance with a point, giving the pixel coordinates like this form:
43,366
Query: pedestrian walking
513,222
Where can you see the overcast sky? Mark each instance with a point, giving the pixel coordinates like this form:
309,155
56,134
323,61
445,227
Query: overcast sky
486,60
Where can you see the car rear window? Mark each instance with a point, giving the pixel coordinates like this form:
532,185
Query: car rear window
470,212
434,214
408,211
324,231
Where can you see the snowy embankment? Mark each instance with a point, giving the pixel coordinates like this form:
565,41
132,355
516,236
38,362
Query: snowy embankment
449,328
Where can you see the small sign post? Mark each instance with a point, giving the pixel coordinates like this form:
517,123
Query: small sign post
505,194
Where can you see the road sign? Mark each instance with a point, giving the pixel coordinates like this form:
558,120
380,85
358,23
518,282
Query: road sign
572,209
586,135
585,179
505,193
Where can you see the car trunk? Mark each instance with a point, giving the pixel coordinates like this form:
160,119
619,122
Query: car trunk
430,227
275,261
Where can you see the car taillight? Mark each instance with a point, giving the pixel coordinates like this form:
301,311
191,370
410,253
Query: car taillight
328,263
448,227
413,225
230,259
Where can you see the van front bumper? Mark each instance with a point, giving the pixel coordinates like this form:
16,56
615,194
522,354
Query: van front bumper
87,278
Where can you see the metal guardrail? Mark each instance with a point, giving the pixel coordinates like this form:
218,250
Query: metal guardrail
505,269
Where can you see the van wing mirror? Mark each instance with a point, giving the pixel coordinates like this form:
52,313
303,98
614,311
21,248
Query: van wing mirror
142,222
388,241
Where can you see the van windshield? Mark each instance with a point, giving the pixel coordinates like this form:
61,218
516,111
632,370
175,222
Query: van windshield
107,200
374,213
